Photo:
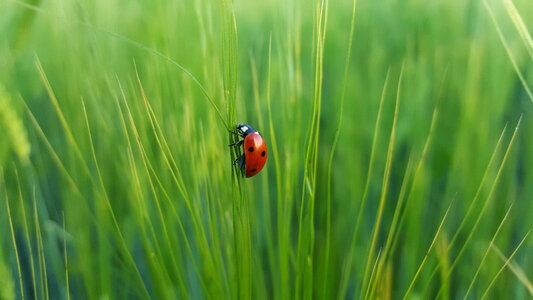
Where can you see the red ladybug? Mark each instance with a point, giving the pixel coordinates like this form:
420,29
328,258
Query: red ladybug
254,147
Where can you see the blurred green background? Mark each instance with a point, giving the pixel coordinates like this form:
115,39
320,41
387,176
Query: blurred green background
116,181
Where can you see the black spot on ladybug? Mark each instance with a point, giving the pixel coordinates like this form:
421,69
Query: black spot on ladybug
263,153
251,149
252,170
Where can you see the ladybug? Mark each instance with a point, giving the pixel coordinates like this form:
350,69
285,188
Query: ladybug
255,150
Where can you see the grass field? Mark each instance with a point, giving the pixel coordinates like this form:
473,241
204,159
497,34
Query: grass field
400,138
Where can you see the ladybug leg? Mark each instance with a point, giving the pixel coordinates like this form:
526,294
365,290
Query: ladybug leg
234,132
240,161
237,143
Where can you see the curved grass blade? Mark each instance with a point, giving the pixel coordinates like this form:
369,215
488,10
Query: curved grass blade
14,241
504,265
486,204
519,273
411,285
508,50
487,252
348,264
384,189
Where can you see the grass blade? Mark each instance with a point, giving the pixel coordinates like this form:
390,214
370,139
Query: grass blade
504,265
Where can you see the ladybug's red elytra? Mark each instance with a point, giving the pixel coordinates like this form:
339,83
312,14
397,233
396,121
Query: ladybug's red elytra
254,147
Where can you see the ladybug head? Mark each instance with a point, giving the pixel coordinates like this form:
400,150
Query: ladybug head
245,129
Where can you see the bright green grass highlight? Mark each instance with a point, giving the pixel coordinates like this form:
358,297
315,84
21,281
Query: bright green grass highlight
399,133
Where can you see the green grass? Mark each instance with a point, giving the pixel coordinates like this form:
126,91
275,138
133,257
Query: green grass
399,134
